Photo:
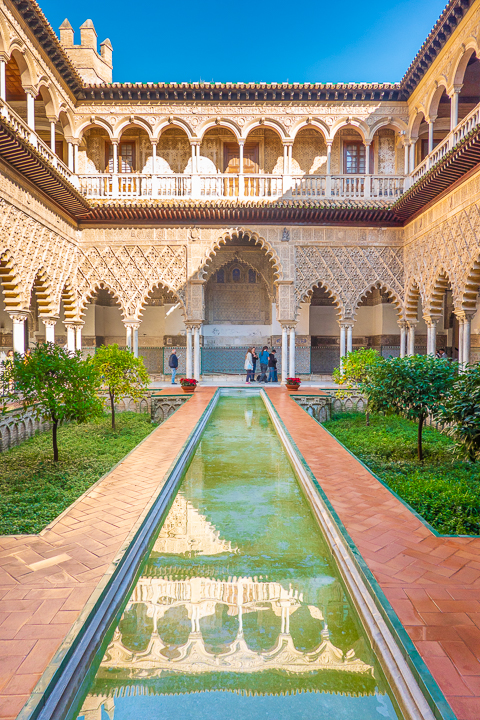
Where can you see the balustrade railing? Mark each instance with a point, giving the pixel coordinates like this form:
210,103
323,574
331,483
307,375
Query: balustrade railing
226,185
455,136
25,132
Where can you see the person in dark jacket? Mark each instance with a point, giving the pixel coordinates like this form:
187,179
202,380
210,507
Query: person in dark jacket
173,363
263,364
272,366
254,361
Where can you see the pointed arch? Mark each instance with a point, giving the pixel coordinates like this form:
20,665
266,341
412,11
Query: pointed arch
380,285
42,287
251,235
412,296
336,299
468,298
241,261
13,291
69,300
156,283
433,306
93,289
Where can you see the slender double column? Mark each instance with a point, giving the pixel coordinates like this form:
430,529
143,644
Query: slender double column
346,339
70,336
464,338
132,336
188,369
196,352
285,329
291,356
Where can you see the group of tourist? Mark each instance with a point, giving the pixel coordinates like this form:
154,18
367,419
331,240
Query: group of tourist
268,360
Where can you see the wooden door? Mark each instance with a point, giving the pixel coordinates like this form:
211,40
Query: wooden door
231,157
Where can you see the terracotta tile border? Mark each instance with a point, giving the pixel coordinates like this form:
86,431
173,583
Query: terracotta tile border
47,580
432,582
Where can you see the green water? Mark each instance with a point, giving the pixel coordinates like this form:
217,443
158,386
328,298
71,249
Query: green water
239,612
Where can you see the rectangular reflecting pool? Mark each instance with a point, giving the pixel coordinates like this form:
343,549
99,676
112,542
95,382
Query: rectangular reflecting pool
239,611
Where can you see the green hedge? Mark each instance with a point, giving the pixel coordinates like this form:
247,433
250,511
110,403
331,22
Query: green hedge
443,490
34,490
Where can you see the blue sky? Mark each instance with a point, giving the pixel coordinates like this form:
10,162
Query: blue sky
253,41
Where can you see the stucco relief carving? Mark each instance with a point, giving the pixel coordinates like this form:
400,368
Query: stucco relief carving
348,273
131,273
33,249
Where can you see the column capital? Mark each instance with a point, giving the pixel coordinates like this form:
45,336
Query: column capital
402,324
463,315
346,323
50,321
412,323
431,321
18,316
132,325
288,324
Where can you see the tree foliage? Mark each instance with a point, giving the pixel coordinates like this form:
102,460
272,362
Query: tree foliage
356,371
122,373
461,410
414,387
55,384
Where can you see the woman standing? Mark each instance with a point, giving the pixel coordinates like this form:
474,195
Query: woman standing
249,365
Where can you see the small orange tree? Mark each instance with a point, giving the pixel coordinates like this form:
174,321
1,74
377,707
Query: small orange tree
122,373
356,370
56,385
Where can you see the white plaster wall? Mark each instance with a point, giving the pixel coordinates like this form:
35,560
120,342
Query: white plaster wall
324,320
89,317
174,323
303,319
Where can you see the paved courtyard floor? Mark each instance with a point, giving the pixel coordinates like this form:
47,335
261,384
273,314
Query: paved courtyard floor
432,582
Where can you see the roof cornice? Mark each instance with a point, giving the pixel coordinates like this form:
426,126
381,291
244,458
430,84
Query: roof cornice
453,13
37,22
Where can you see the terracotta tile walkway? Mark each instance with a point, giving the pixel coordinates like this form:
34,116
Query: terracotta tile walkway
46,579
433,583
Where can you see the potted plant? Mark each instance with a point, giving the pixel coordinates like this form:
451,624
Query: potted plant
189,385
293,383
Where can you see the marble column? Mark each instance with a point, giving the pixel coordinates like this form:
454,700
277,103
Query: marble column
284,353
403,338
135,339
411,337
49,329
78,335
349,338
460,319
30,109
18,320
188,369
454,107
431,335
342,344
291,368
467,328
196,352
128,337
70,337
3,84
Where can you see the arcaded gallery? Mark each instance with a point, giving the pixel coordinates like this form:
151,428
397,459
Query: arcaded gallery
239,562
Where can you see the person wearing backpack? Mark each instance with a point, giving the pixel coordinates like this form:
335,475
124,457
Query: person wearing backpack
173,363
263,357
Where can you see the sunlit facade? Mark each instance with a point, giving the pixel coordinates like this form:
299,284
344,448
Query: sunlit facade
210,217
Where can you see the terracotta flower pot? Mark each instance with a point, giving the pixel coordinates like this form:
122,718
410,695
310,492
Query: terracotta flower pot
189,388
292,386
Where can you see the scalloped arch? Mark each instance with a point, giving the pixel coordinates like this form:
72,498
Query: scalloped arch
412,296
228,234
95,287
11,278
380,285
337,301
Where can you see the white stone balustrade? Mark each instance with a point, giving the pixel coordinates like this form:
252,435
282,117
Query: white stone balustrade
221,185
25,132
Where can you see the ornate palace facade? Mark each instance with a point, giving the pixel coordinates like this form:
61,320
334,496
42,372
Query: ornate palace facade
210,217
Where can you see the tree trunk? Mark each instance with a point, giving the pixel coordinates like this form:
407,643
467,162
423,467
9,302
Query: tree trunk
54,440
419,444
112,405
367,417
